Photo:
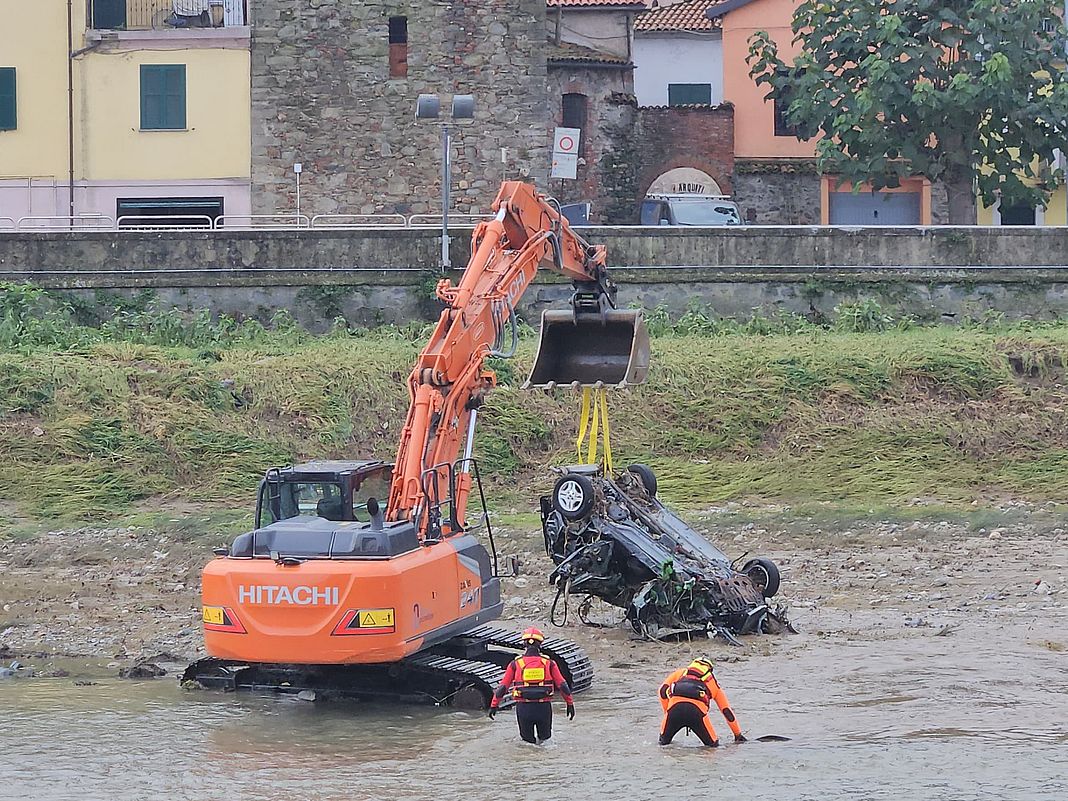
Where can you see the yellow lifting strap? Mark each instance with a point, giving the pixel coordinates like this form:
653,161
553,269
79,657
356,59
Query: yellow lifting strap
593,420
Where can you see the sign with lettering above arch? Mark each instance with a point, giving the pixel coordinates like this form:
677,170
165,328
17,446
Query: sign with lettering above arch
684,181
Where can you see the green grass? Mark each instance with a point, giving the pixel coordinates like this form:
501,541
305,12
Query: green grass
98,421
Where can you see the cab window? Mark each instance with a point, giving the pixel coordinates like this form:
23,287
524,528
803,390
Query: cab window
376,486
304,499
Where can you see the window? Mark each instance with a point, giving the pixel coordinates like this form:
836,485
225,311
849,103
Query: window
8,115
1018,215
689,94
189,212
163,97
398,47
375,485
108,14
573,110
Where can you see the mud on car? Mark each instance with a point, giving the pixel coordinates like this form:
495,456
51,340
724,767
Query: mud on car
611,538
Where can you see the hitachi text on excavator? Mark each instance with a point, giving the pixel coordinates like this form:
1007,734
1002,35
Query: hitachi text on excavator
366,579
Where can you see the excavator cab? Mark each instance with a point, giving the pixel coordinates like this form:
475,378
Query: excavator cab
332,490
608,349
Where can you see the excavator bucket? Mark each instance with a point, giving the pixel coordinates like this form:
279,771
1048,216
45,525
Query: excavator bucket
612,351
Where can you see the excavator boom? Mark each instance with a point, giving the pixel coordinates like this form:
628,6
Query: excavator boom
590,344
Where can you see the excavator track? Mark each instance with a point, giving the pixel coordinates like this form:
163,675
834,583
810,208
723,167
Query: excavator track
574,663
462,673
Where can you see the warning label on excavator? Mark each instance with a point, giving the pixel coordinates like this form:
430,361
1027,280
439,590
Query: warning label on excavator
378,619
214,614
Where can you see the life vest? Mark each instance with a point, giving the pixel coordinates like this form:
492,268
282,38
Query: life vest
691,690
533,679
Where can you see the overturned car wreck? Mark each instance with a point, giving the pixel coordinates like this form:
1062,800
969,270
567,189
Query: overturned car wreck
611,538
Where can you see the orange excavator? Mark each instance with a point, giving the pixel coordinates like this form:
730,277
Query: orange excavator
367,579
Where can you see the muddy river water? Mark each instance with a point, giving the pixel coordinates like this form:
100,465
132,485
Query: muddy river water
967,715
927,667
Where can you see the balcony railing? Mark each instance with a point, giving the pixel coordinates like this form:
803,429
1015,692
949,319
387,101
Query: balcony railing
147,15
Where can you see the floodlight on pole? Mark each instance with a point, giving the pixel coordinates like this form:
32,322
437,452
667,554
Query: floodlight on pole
428,107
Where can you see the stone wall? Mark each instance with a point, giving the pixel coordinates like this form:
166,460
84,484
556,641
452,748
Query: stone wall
605,117
778,198
372,277
322,95
787,192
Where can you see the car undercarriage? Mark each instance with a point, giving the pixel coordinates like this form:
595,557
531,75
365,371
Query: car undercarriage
611,538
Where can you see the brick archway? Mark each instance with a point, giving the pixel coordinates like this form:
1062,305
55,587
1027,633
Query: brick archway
701,138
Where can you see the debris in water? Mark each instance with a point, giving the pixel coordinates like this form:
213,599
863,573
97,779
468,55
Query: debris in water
142,670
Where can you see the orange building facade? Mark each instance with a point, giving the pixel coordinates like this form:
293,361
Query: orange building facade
775,172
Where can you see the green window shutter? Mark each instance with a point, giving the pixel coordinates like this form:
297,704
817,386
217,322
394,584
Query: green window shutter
8,104
163,97
689,94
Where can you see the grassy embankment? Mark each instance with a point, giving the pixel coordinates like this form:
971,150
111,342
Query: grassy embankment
149,409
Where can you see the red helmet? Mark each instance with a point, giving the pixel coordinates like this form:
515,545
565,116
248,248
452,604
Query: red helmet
533,635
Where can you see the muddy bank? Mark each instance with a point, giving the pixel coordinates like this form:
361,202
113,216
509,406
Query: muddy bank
98,600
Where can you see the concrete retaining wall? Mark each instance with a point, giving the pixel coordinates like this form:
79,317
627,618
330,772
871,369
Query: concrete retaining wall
385,276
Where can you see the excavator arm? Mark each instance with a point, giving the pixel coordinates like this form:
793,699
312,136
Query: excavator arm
448,384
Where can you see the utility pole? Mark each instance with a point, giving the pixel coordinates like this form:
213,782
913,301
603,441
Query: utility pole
446,186
71,207
428,107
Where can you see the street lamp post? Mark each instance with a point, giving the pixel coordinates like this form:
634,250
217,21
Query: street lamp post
428,107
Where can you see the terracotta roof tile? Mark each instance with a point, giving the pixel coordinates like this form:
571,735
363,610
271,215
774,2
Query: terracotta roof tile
573,53
686,16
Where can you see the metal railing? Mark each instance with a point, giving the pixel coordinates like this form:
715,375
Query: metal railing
357,221
235,222
262,222
434,220
158,222
94,222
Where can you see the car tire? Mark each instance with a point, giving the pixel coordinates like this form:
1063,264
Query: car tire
646,475
573,496
764,574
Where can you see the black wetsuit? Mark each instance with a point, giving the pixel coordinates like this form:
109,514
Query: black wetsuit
535,721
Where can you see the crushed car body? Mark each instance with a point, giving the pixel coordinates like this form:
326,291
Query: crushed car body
611,538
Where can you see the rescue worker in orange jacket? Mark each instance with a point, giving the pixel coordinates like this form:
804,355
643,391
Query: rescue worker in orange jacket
687,696
532,678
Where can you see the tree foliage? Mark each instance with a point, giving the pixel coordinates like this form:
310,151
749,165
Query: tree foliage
954,90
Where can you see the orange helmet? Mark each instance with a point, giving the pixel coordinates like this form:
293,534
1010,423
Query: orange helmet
533,635
700,668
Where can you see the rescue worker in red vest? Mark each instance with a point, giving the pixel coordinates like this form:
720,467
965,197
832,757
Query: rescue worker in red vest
687,696
532,678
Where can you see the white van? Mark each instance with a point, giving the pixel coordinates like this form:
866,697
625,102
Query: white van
689,209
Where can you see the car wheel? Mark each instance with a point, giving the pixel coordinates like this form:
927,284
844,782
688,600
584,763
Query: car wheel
764,574
646,475
573,496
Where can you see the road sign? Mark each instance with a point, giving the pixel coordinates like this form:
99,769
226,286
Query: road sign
565,153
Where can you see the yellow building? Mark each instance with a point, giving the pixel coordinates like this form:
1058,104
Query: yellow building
150,113
1055,212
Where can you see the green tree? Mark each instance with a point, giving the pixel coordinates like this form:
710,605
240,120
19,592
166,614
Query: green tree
959,91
